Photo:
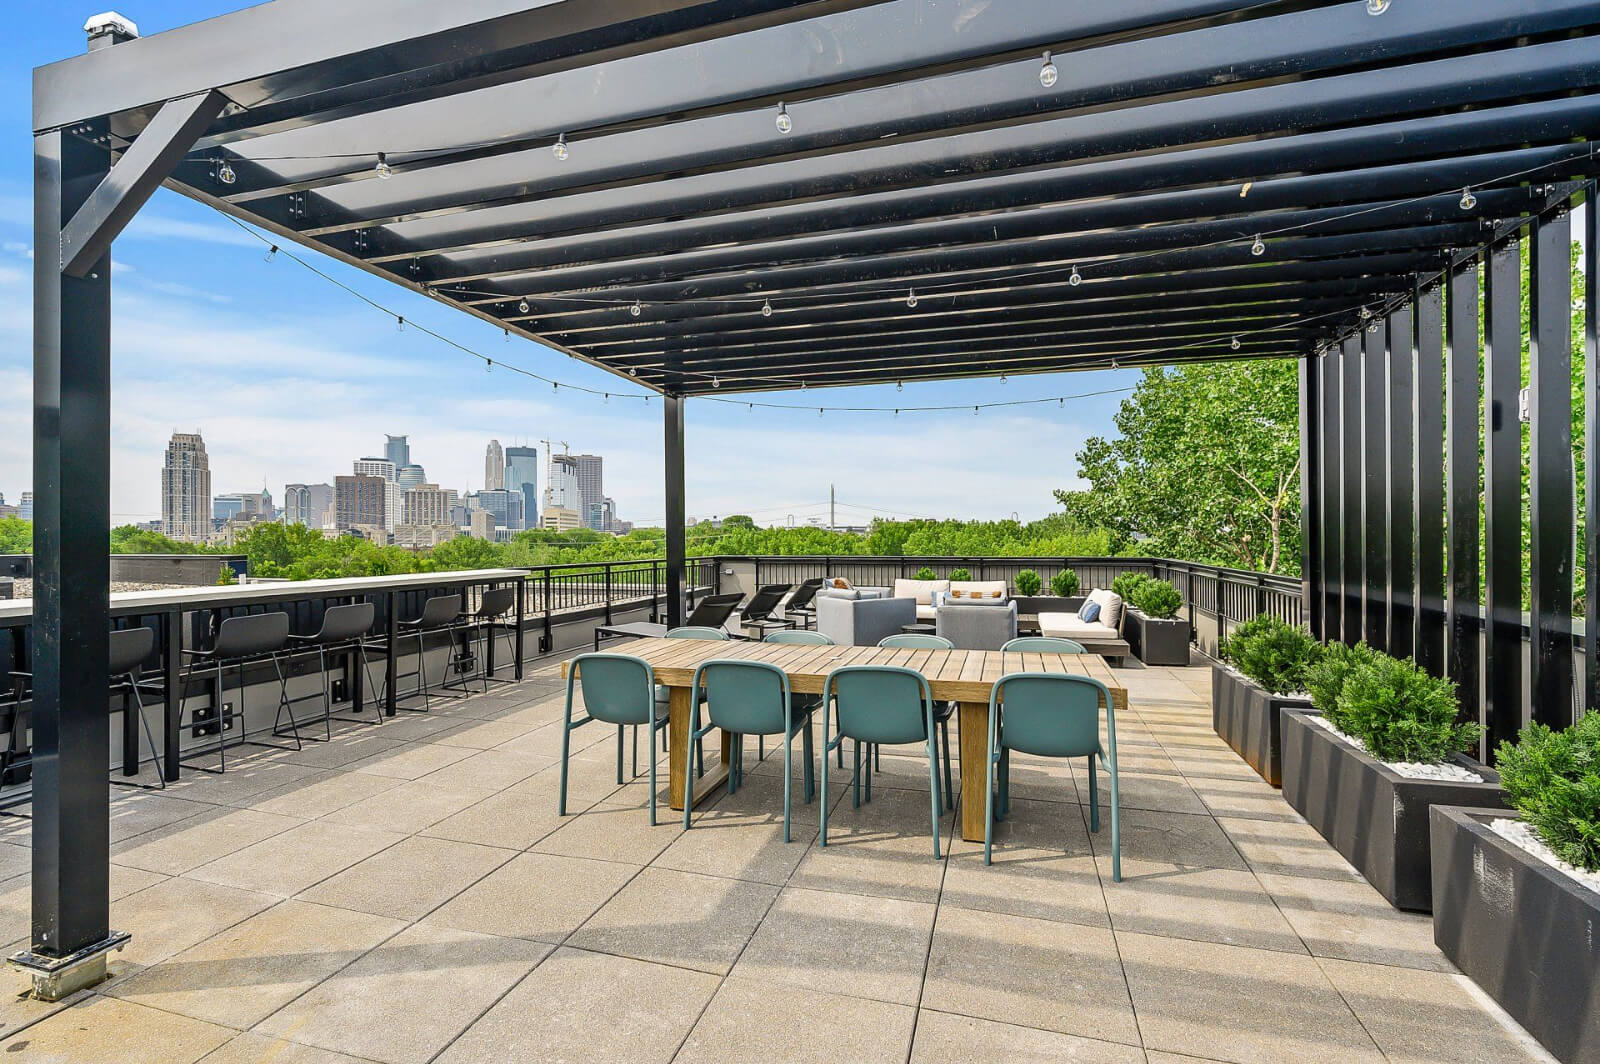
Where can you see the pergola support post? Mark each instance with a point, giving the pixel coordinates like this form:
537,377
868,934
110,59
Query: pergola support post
672,451
71,934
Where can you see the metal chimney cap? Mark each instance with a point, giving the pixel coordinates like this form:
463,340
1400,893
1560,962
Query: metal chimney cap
111,22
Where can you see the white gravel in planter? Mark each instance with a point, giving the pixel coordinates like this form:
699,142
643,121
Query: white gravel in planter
1449,772
1522,835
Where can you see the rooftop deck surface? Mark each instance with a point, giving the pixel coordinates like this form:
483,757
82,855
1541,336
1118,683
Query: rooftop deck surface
407,893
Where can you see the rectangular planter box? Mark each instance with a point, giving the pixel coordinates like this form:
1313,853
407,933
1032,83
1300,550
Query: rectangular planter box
1157,641
1527,934
1247,719
1376,818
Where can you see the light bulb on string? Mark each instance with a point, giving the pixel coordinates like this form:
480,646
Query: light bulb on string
1048,74
637,308
608,399
522,306
271,254
1377,7
715,383
911,297
560,150
766,308
1234,343
383,169
1075,280
819,411
488,364
1366,313
399,323
1468,200
555,386
784,123
974,411
899,386
225,173
508,335
1372,328
1258,248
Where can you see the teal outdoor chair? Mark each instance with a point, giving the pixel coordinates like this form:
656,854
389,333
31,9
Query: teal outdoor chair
803,637
1051,715
664,694
617,689
878,704
1043,644
697,632
748,698
942,711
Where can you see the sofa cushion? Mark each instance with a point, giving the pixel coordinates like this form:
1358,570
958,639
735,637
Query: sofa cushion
1068,626
839,583
921,590
1110,607
925,613
990,592
833,592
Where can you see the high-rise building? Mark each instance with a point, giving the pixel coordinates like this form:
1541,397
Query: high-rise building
245,505
482,524
563,492
25,506
610,515
386,471
494,466
427,504
410,476
186,488
397,450
307,504
359,502
506,506
522,474
559,519
591,488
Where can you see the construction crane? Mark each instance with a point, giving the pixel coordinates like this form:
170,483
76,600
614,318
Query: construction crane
550,466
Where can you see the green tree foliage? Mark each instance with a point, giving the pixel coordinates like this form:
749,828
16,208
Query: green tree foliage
131,539
466,552
1400,713
1274,655
1553,779
16,536
1207,467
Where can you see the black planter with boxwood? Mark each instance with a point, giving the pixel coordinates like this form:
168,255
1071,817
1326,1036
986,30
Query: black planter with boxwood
1153,630
1245,709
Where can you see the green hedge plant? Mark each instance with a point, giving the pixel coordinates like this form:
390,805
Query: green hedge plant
1325,680
925,573
960,574
1127,583
1273,654
1064,584
1400,713
1157,599
1553,779
1028,582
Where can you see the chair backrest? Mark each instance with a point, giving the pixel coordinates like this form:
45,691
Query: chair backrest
713,611
129,647
1045,644
764,601
690,631
804,594
794,635
1052,714
438,611
246,635
496,602
917,641
747,697
340,623
617,688
881,703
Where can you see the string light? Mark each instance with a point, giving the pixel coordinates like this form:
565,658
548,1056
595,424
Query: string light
1048,74
1234,343
383,169
1377,7
1366,312
1468,200
488,364
399,323
715,383
911,297
225,173
522,306
784,122
637,308
1075,280
1258,248
1002,378
766,308
1373,327
560,150
271,254
899,386
508,335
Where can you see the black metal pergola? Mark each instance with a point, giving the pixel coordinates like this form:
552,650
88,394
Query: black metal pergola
742,195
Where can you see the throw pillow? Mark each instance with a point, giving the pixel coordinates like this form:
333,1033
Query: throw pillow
1090,612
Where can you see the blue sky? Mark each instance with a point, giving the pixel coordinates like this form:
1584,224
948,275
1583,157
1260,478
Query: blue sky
290,379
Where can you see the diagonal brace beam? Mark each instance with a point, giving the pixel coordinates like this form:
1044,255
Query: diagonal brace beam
134,179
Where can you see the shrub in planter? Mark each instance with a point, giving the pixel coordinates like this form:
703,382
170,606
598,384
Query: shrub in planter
1401,714
960,574
1155,598
1325,679
1553,779
1028,582
1064,584
1273,654
1125,584
925,573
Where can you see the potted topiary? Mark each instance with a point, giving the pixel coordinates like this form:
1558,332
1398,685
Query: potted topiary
1516,901
1125,583
960,574
1262,672
1063,598
1386,744
1028,583
1153,629
925,573
1065,583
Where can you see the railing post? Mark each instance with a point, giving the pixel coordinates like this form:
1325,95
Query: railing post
391,634
608,592
172,696
545,641
522,611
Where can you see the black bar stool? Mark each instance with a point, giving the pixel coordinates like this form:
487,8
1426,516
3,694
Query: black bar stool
483,624
129,649
441,613
241,641
343,631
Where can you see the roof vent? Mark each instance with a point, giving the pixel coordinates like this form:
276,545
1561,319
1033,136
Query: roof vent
108,28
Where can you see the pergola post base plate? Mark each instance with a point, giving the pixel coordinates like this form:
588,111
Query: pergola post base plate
55,978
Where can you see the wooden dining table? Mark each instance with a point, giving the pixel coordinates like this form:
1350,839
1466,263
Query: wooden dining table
966,677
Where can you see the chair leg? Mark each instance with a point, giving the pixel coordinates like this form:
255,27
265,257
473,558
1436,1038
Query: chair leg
620,729
1094,798
988,807
933,791
761,748
788,777
1116,828
284,705
855,776
651,748
566,746
634,744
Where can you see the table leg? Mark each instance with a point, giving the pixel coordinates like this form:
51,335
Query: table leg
677,748
974,718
